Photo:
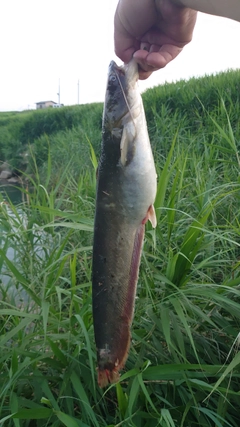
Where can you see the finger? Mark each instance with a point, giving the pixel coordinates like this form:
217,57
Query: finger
143,75
157,58
125,55
125,45
144,69
154,48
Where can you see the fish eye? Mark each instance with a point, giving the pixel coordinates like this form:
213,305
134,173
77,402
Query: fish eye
112,78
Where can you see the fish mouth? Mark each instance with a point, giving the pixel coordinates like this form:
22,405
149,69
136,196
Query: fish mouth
121,80
127,72
116,104
115,69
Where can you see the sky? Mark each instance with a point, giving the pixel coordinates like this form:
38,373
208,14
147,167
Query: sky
50,42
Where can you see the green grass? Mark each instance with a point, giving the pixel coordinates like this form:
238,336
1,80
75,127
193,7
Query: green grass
183,368
22,133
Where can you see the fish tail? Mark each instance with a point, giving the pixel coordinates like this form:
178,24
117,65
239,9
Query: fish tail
107,376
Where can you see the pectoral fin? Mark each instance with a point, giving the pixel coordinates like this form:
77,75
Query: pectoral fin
127,145
151,216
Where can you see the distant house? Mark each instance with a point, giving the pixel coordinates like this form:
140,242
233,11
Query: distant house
45,104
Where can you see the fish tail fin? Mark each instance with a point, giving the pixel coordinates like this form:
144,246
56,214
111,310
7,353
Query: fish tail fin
107,377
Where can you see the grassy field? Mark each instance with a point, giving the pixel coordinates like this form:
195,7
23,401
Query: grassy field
183,368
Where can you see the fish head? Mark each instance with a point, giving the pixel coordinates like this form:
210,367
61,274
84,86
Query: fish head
119,84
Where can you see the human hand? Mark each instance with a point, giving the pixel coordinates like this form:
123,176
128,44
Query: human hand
154,32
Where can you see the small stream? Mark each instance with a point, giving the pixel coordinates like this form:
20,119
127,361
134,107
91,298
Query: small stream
9,291
12,192
17,296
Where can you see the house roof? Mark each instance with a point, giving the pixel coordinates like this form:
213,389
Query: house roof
44,102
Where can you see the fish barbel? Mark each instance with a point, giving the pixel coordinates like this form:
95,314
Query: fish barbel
126,190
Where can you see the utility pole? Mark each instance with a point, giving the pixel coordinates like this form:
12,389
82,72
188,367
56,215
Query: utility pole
78,91
58,93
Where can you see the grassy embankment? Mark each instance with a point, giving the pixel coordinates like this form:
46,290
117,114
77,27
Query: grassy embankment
183,368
